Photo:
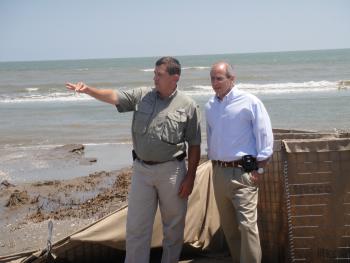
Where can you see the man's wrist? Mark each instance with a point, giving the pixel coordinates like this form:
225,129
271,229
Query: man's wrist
192,175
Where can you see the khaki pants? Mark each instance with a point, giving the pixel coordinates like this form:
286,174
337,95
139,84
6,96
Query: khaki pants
237,199
152,185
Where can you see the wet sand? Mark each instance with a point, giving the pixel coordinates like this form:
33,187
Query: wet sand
26,208
71,204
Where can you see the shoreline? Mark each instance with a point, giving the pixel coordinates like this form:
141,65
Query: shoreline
37,163
70,204
71,201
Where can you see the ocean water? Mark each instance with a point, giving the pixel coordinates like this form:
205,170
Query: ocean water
299,89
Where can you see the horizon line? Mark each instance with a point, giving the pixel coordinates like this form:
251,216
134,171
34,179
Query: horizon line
182,55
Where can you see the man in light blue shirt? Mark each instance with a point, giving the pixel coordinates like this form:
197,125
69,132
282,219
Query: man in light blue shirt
240,142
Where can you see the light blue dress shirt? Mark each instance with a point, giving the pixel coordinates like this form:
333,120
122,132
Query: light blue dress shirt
238,125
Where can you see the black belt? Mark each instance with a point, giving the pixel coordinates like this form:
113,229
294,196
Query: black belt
179,158
237,163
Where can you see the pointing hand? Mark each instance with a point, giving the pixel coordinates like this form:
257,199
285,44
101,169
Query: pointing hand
78,87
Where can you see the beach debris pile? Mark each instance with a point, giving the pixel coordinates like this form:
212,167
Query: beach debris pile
17,198
6,184
71,204
83,197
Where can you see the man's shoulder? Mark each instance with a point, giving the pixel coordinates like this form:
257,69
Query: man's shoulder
146,90
141,91
145,93
250,97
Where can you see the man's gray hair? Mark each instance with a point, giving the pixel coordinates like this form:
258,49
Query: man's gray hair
229,69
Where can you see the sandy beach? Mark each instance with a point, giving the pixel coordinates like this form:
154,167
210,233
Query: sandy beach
71,204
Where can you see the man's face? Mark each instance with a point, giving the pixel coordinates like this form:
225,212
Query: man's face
162,80
219,81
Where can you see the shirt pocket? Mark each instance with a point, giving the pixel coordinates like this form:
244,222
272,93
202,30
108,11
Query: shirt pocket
173,129
142,118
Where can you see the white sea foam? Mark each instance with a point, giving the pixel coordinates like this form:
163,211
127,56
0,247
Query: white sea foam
195,90
195,68
183,68
290,87
273,88
52,97
147,70
32,89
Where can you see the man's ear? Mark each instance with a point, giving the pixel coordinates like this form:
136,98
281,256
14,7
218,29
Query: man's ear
233,78
176,77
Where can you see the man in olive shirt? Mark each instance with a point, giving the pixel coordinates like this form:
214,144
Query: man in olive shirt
164,120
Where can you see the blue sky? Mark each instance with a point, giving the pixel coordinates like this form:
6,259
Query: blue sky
62,29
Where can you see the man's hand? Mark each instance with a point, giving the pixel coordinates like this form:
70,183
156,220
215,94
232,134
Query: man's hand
78,87
255,177
105,95
186,186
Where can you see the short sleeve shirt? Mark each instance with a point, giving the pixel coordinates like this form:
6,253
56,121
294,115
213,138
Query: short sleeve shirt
161,126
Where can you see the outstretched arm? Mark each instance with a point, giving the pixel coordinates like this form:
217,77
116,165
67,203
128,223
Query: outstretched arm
105,95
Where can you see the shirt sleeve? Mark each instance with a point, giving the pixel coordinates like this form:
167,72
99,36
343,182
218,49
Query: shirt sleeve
193,128
262,131
127,100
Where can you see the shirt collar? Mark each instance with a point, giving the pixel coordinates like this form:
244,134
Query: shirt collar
234,92
171,96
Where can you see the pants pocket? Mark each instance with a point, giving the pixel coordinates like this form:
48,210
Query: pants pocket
247,179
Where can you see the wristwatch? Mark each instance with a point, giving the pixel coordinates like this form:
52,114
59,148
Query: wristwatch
260,170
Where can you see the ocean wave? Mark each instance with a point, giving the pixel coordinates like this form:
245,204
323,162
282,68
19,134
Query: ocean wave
194,90
183,68
148,70
195,68
31,89
290,87
52,97
273,88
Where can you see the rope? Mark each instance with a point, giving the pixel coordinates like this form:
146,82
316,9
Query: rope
48,254
289,213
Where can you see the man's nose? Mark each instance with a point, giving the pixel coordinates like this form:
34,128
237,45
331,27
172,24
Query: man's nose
214,82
